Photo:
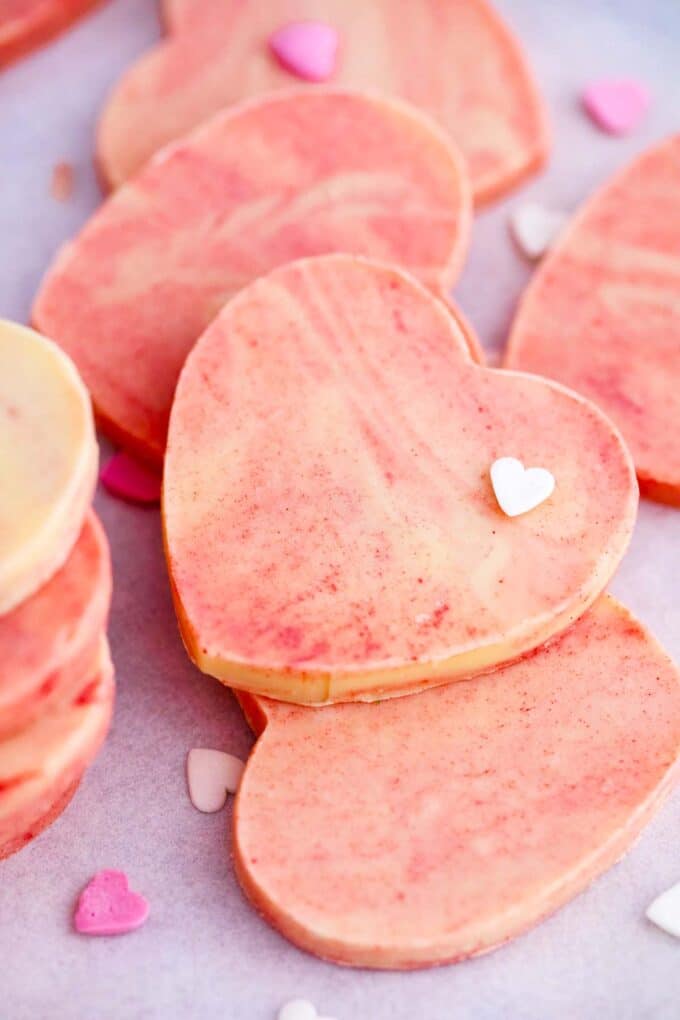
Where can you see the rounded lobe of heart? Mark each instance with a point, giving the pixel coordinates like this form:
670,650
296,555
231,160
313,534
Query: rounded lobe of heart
301,173
25,24
52,639
330,525
431,828
41,765
48,461
475,349
427,53
602,313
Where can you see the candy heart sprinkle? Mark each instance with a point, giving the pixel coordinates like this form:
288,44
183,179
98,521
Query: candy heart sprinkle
107,906
535,228
130,480
617,106
308,49
664,911
300,1009
210,776
519,489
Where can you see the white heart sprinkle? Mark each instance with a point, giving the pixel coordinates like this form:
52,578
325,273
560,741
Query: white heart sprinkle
210,776
665,911
536,228
300,1009
519,489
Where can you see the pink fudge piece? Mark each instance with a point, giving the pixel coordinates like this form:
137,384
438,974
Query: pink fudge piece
52,639
41,765
431,828
602,313
25,24
327,480
298,174
617,106
107,906
176,13
130,480
455,59
308,49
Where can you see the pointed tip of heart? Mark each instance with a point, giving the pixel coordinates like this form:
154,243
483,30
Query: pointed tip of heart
308,49
664,911
616,105
107,906
535,228
127,479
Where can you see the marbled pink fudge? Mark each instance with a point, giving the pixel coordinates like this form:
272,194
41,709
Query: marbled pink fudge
331,528
427,829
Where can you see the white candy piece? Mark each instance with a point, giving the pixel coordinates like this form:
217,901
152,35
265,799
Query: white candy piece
519,489
210,776
665,911
300,1009
535,228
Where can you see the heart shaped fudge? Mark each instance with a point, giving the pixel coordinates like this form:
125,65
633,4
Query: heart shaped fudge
431,828
331,528
50,641
301,174
25,24
48,461
602,313
456,59
41,766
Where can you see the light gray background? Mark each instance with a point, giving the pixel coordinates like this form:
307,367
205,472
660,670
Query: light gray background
204,952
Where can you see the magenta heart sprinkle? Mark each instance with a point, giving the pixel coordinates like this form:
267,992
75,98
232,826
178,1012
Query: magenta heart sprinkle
308,49
130,480
107,906
616,105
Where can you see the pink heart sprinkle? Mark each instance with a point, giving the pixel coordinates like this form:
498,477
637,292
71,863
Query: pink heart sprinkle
308,49
108,907
618,105
126,478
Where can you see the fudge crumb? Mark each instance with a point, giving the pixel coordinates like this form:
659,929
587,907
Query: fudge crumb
62,181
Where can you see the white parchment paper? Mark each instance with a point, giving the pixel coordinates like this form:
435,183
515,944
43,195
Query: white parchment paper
204,953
